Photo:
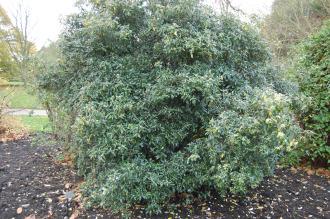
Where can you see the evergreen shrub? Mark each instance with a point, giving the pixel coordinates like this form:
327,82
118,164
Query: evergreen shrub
166,97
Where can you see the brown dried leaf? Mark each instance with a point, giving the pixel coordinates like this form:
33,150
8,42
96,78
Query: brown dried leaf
294,170
323,172
68,185
310,172
75,214
62,199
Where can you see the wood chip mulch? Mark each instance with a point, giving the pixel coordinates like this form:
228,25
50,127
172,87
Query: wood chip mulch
33,184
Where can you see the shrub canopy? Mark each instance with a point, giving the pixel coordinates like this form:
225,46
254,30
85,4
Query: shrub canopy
165,97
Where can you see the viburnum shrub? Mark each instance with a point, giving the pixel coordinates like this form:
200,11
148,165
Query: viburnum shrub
314,80
165,97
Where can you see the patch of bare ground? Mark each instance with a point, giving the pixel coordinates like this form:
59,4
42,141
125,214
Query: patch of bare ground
33,184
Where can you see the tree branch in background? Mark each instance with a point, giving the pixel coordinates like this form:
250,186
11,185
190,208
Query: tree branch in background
7,64
226,6
292,21
18,41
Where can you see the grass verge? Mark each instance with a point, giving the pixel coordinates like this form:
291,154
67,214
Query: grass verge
35,123
18,97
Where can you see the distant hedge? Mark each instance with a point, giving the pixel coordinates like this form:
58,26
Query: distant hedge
165,97
314,80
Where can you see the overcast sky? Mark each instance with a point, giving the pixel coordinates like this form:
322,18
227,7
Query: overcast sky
47,14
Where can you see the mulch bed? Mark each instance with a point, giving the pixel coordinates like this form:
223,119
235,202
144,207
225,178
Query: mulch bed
33,184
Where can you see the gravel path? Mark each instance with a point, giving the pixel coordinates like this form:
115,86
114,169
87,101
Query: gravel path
34,184
25,112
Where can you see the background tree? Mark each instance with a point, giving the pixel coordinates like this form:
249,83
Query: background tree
226,6
18,41
292,21
8,66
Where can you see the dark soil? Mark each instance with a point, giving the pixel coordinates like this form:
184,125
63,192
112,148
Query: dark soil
34,184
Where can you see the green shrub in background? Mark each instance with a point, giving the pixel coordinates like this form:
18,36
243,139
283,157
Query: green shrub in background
165,97
314,80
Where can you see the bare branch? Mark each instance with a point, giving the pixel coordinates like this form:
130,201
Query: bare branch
225,5
18,40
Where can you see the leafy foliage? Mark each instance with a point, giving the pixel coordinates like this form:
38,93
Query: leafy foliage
314,68
163,97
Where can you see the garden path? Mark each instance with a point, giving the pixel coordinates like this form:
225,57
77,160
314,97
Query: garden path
25,112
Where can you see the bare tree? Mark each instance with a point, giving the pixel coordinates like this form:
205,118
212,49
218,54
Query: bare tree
18,40
227,6
292,21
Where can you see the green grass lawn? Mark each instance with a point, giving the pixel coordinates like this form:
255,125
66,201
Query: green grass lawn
35,123
18,97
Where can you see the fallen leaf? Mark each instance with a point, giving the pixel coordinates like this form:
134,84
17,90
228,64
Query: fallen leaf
19,210
293,170
68,185
310,172
75,214
209,213
50,211
323,171
319,208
